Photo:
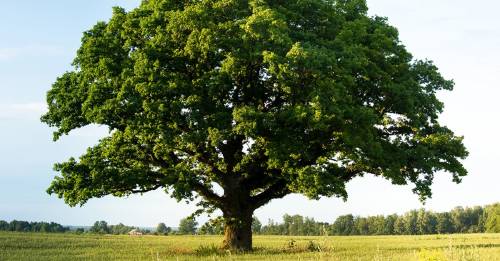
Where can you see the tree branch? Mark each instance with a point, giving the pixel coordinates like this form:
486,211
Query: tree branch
232,150
207,193
277,190
201,189
201,157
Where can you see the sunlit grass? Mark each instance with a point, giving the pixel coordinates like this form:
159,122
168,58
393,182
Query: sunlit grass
34,246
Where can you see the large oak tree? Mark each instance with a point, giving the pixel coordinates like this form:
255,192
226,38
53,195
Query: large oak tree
238,102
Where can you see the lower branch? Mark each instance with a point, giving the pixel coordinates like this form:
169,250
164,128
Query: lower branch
277,190
207,193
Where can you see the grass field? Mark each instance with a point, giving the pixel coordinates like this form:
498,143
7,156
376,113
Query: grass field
31,246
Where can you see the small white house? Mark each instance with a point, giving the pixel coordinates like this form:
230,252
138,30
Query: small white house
135,232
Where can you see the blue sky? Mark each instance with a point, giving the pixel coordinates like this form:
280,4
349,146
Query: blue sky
38,43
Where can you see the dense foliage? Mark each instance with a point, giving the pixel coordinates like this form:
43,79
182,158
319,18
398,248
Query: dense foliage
25,226
260,98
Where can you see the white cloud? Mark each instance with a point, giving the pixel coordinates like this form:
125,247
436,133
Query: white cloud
22,110
11,53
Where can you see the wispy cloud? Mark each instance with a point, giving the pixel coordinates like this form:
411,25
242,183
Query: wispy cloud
22,110
11,53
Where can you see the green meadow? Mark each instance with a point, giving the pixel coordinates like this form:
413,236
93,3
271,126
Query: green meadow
38,246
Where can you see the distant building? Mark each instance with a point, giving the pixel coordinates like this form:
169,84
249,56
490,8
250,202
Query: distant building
135,232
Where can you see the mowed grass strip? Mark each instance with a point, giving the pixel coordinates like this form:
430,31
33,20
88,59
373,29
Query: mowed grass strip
37,246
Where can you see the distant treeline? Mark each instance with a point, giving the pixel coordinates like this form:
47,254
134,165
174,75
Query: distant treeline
415,222
99,227
102,227
25,226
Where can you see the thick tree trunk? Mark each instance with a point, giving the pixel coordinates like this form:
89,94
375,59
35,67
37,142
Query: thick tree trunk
238,230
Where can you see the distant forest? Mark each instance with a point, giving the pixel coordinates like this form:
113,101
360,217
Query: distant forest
25,226
416,222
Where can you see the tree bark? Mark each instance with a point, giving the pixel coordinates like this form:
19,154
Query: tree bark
238,230
238,206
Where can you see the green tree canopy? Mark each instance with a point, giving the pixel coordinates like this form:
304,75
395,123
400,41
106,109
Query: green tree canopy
493,218
162,229
263,98
100,227
188,226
